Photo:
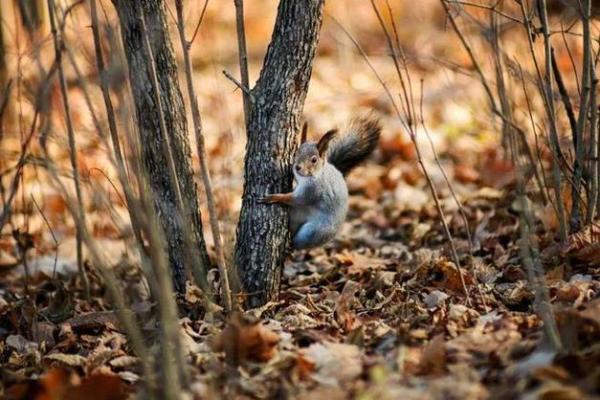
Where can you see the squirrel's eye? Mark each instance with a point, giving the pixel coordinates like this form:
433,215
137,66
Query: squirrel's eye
314,159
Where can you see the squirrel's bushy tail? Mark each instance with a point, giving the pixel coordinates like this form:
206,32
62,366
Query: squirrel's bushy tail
355,145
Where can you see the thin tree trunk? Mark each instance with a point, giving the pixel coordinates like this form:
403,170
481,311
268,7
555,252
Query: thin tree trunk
279,95
582,122
204,171
32,14
5,88
243,56
148,110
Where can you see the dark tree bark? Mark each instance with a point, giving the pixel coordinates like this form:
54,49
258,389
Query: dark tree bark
181,249
278,98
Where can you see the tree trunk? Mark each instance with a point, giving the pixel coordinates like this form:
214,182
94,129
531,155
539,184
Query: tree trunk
278,99
162,183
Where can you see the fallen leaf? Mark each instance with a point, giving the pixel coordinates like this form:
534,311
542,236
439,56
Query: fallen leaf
433,361
243,339
344,315
335,363
70,360
435,298
304,367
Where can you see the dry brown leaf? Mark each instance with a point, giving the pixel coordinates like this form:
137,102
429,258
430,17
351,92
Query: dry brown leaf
123,361
466,174
70,360
398,144
496,171
93,320
335,363
60,384
433,360
568,293
99,387
304,367
445,274
344,315
246,340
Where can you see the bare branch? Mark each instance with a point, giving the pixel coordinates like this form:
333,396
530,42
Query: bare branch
188,44
212,210
240,85
58,48
243,56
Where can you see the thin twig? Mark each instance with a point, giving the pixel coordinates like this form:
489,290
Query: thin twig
564,95
126,317
58,48
14,187
189,44
133,207
530,258
51,234
556,175
243,57
570,53
471,55
543,181
486,7
409,124
214,221
240,85
457,201
23,157
586,86
593,155
4,104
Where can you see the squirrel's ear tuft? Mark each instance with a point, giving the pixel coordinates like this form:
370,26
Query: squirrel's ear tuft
325,140
304,132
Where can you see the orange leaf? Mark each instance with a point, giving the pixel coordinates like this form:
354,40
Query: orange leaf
243,339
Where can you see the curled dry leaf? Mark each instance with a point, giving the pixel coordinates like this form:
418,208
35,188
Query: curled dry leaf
93,321
344,315
123,361
445,274
19,344
568,293
69,360
246,340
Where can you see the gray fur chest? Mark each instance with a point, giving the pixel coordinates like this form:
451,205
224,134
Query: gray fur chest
324,197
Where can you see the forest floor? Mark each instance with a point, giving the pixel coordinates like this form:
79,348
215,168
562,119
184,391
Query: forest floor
381,312
378,313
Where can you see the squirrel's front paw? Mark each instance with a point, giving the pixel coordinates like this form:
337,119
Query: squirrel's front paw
268,199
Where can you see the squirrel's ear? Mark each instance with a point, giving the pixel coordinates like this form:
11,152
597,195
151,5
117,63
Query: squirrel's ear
324,141
304,132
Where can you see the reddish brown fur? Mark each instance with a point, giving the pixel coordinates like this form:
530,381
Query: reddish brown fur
278,198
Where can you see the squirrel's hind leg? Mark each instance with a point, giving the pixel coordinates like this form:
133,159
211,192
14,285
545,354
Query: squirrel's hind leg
312,234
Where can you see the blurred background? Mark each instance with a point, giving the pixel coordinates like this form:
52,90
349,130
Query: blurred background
342,86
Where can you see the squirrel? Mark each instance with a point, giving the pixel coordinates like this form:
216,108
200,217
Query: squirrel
319,202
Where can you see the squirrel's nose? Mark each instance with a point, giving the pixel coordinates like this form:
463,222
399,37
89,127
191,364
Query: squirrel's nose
298,168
